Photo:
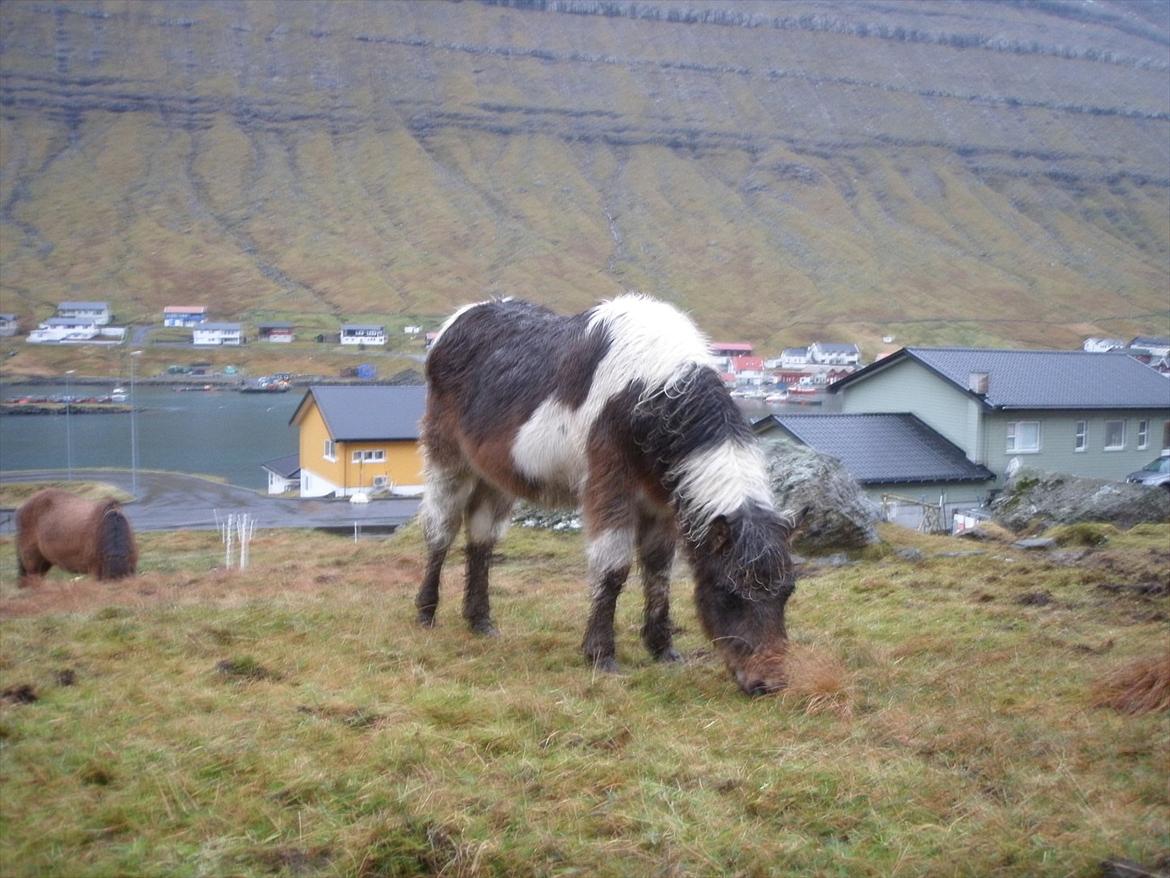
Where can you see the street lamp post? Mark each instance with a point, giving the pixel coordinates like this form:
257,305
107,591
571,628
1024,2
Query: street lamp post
68,426
134,355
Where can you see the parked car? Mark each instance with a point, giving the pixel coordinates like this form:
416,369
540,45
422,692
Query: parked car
1156,473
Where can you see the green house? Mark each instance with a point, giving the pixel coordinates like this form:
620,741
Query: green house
1101,415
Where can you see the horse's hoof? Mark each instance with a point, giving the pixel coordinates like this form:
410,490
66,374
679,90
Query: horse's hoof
669,655
485,628
607,665
426,620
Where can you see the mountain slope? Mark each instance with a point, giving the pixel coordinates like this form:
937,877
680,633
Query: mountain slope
962,172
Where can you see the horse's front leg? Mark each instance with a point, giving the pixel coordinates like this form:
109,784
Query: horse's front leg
656,539
609,556
441,514
487,516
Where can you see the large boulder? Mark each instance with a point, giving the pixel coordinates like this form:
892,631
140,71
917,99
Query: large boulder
839,515
1032,498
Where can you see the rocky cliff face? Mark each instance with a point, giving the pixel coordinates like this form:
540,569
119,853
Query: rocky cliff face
958,172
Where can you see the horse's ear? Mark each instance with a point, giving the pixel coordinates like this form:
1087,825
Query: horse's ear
720,534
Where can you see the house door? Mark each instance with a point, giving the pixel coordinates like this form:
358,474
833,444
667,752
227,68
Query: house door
1165,435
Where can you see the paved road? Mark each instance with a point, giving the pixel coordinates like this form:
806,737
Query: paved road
171,501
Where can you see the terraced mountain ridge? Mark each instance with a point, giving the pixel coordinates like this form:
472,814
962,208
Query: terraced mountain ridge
976,172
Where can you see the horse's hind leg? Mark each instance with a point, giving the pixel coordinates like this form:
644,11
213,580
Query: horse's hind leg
656,538
487,518
31,565
441,514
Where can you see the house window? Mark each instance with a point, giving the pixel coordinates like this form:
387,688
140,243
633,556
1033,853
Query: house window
1143,436
1114,435
369,456
1023,437
1082,441
330,450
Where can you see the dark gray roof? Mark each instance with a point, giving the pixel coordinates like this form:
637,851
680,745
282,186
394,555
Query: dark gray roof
1039,379
286,467
278,325
365,413
352,327
882,448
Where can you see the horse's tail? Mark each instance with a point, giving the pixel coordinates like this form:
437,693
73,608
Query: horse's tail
117,552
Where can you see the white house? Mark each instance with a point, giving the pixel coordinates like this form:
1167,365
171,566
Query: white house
284,474
8,324
56,330
1103,345
363,333
97,313
184,315
830,354
218,334
794,357
1153,347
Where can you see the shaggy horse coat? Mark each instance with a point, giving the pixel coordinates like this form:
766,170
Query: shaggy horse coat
79,535
619,410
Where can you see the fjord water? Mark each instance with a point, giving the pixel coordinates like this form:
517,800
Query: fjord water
219,433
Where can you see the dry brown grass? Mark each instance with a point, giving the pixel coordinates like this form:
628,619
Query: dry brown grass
817,680
1140,686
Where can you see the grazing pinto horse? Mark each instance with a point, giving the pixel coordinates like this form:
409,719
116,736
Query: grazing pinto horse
82,536
617,409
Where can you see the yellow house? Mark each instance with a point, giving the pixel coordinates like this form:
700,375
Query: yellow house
360,439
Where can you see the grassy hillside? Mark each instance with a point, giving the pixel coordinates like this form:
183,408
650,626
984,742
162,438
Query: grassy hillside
944,172
292,720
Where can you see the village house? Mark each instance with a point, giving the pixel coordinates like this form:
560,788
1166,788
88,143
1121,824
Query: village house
363,334
60,330
184,315
8,325
894,457
1097,415
1102,345
1150,347
284,473
97,313
277,333
791,358
218,334
832,354
358,439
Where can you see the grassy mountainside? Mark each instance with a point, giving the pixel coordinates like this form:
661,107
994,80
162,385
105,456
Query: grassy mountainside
977,172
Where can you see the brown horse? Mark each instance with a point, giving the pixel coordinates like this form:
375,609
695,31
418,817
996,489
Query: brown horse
78,535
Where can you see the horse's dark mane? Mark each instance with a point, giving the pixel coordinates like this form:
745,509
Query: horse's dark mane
115,543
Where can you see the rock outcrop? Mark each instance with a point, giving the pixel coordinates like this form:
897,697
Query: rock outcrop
1035,499
839,515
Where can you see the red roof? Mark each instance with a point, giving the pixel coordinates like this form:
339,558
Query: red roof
747,364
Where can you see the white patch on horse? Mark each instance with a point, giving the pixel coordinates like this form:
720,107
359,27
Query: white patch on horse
649,341
484,527
718,480
610,550
549,448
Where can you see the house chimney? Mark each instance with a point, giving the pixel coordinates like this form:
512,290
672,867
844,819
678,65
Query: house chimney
978,382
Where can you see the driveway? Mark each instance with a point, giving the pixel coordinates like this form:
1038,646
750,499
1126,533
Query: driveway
172,501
